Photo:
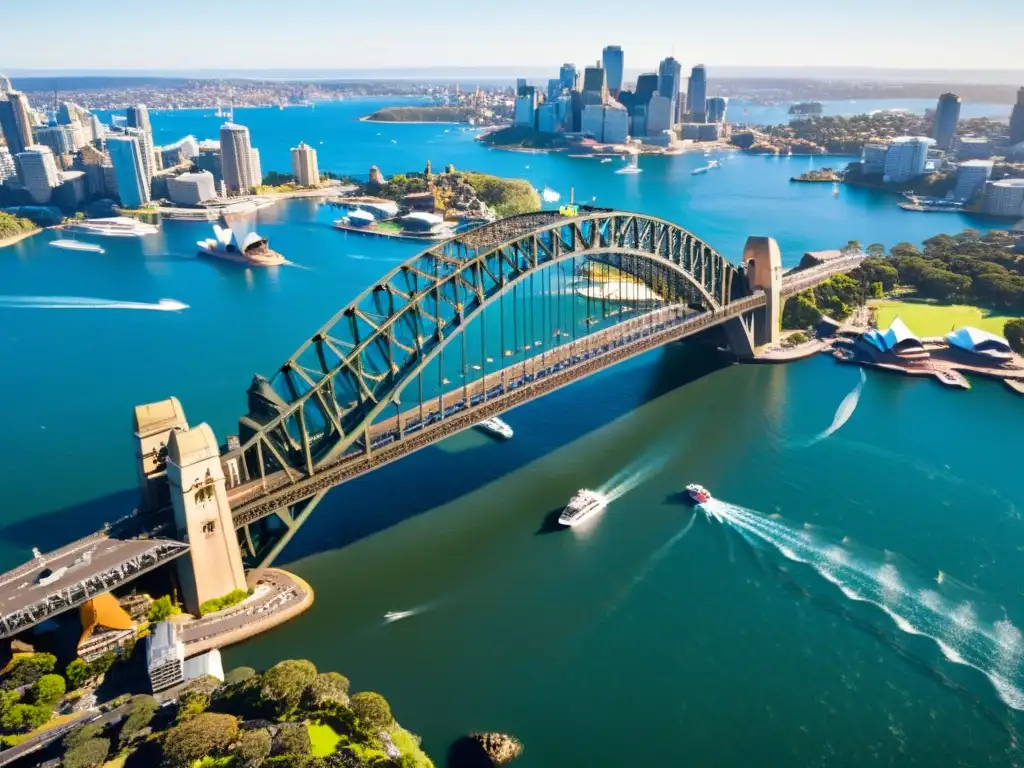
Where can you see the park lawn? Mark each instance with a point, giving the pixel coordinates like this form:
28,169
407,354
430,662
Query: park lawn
323,738
931,319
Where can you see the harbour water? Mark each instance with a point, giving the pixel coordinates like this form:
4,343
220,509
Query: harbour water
650,636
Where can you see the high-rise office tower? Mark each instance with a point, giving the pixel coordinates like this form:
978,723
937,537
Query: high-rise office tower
129,170
947,115
37,172
16,122
670,77
716,107
254,164
646,86
138,118
595,85
554,89
304,166
236,158
59,138
1017,119
567,74
697,94
612,63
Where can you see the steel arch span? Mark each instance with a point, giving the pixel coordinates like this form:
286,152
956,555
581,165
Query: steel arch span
320,405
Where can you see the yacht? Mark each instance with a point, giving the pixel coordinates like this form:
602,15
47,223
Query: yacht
77,245
581,506
115,226
497,427
698,493
254,250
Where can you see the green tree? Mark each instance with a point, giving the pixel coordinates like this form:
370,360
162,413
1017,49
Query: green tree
253,748
285,682
27,669
238,674
139,716
876,290
87,754
82,734
25,717
49,689
372,710
291,739
326,686
102,664
873,270
876,251
208,734
800,311
1013,330
191,704
162,609
7,700
77,673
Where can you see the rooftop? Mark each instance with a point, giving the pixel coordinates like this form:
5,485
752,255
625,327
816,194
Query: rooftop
190,446
157,417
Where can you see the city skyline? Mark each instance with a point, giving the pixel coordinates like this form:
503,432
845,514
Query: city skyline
756,37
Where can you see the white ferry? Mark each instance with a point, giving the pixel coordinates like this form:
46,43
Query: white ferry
634,165
582,506
77,245
254,250
497,427
115,226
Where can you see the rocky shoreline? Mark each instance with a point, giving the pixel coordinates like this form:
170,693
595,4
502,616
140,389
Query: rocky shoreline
484,750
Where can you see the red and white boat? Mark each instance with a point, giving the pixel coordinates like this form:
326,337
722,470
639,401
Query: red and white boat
698,493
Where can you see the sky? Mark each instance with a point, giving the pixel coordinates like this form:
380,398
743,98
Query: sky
398,34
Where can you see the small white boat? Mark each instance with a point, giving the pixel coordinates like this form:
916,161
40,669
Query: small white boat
606,159
583,505
77,245
497,427
115,226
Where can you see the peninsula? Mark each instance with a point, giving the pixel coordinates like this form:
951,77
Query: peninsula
822,175
13,229
467,115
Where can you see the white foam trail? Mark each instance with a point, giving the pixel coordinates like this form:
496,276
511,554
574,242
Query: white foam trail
843,412
392,616
82,302
298,266
995,649
361,257
550,196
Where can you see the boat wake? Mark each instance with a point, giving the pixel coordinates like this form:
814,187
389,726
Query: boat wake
82,302
392,616
917,605
361,257
634,475
550,196
843,412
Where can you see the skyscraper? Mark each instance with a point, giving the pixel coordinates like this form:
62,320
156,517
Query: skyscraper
554,89
947,115
697,95
1017,119
612,62
646,86
716,107
595,85
236,158
138,118
254,165
37,172
567,74
670,77
16,122
304,166
907,158
129,170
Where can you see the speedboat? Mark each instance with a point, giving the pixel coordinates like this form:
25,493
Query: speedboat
77,245
496,426
583,505
698,493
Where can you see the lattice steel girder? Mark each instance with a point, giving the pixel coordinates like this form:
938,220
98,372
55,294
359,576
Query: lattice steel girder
380,342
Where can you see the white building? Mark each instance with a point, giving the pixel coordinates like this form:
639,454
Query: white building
58,138
37,172
254,163
192,188
616,123
304,166
970,177
973,147
236,159
183,149
526,107
7,169
907,157
133,187
592,121
1004,198
659,115
872,159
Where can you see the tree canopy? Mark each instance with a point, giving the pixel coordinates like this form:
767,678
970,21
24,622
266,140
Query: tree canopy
285,682
1014,333
373,710
206,734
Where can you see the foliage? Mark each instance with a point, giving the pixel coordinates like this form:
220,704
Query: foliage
139,716
87,754
238,674
326,686
77,673
373,710
220,603
191,704
82,734
162,609
1013,330
291,739
876,270
285,682
424,115
800,311
7,700
28,668
524,137
25,717
253,748
102,664
795,339
277,179
410,746
323,739
206,734
508,197
12,226
48,690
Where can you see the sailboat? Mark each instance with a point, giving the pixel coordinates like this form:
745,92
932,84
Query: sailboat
634,165
835,189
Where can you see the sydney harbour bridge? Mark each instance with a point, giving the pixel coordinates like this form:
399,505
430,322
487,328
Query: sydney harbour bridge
464,330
